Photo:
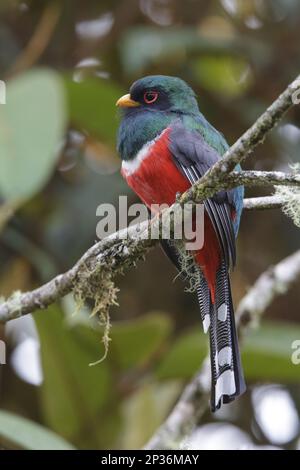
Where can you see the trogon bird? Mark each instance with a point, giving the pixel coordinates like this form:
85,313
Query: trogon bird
166,145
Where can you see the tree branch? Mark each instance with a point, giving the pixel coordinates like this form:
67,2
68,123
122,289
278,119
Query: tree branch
20,304
277,280
123,249
262,178
193,402
39,40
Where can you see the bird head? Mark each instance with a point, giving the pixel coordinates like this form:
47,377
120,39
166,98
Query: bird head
159,93
152,104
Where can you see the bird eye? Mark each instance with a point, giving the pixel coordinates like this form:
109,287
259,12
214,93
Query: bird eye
150,96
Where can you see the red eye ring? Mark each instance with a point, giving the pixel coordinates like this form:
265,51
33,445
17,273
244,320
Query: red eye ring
150,96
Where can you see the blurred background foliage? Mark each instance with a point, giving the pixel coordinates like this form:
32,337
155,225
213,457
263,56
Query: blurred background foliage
65,64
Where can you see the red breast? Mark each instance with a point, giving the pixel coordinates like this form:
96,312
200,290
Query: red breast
154,177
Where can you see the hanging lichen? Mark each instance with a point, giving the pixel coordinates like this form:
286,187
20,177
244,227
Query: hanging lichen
290,196
97,284
189,271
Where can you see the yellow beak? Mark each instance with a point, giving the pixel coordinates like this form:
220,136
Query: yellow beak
126,102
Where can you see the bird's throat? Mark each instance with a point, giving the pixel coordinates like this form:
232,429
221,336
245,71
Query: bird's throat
137,129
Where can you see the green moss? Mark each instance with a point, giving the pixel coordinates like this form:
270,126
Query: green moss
189,270
291,198
97,284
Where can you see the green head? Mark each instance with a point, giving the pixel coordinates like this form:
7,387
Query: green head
160,93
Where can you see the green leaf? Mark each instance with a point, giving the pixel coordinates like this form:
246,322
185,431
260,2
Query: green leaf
145,410
228,76
74,395
135,342
185,356
267,352
92,106
26,434
32,124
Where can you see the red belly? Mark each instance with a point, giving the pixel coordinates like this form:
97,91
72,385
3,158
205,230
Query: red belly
157,181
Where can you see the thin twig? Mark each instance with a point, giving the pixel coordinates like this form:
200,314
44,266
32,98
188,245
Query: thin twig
262,178
39,40
275,281
193,402
263,203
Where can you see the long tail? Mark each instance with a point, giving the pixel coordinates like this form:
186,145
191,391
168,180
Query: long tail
218,318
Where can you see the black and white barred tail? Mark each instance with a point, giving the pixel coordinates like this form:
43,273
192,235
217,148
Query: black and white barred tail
218,318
